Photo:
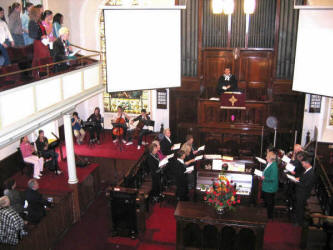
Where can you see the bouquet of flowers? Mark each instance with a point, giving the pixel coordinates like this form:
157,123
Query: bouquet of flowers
221,194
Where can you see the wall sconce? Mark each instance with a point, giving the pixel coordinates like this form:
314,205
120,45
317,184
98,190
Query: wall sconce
249,6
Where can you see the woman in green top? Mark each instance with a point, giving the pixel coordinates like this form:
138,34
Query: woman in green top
270,183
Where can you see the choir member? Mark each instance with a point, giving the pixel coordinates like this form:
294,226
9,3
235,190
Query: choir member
270,183
180,176
153,166
166,143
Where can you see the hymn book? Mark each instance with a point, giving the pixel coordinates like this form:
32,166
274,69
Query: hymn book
189,170
199,157
286,159
163,162
258,173
292,178
175,146
290,167
202,148
261,160
169,156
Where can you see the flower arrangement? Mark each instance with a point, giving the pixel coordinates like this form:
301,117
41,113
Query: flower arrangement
221,194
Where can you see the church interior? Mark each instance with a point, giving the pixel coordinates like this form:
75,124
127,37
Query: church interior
166,124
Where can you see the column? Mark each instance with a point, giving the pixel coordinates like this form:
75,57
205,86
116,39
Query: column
72,177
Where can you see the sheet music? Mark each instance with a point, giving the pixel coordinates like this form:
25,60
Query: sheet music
212,157
189,170
227,158
169,156
176,146
217,165
214,99
199,157
74,52
286,159
163,162
236,167
261,160
202,148
292,178
258,173
290,167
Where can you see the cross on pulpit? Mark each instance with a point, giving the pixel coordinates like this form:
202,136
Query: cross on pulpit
233,100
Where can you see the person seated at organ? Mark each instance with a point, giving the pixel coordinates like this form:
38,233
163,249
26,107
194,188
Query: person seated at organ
62,49
227,82
16,201
166,144
42,145
120,118
79,132
152,163
144,119
11,224
27,152
96,126
36,202
303,189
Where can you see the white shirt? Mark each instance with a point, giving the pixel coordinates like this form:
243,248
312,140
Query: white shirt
4,32
180,160
268,165
168,139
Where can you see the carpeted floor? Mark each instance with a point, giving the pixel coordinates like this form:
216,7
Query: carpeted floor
108,149
92,232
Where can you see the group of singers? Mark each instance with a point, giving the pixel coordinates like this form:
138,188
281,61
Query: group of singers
298,190
122,130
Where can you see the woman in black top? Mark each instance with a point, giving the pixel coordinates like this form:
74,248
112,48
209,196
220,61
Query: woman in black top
96,127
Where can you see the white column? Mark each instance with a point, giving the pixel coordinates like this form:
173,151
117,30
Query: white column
72,178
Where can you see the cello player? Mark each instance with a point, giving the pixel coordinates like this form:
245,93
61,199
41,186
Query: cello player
119,117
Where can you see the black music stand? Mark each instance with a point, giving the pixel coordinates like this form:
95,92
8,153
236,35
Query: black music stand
119,137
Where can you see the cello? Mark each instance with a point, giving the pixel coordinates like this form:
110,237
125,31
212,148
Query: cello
119,124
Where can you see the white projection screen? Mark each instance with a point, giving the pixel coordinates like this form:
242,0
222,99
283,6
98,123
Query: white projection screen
314,52
143,48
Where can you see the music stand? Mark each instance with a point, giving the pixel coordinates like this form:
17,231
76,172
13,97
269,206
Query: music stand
119,137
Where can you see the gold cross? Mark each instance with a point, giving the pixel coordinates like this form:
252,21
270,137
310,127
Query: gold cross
233,100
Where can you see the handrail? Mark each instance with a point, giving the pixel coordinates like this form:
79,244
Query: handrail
89,50
47,65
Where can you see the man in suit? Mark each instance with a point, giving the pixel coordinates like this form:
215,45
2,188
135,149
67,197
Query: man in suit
153,166
180,176
166,144
227,82
303,189
36,202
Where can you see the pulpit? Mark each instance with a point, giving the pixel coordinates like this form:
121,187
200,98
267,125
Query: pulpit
233,100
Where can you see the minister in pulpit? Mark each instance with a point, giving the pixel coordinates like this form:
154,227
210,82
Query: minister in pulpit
227,82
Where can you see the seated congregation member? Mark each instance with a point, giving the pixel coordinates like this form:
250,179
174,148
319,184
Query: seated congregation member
16,201
36,202
120,118
95,129
79,132
6,39
11,224
42,145
159,152
27,149
58,20
227,82
38,33
15,24
303,189
270,183
166,144
152,162
180,176
62,50
143,118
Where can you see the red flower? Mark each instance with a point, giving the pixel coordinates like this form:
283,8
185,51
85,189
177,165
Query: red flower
238,201
205,198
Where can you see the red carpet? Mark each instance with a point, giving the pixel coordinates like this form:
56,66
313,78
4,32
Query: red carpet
93,232
51,183
108,149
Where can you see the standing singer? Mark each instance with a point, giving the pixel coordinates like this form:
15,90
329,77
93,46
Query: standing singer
227,82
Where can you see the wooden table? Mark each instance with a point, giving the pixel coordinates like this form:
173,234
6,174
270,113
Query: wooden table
200,227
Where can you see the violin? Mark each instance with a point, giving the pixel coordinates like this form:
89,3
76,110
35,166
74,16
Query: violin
139,126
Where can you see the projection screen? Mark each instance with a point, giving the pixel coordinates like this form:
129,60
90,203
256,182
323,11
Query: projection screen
314,52
143,48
